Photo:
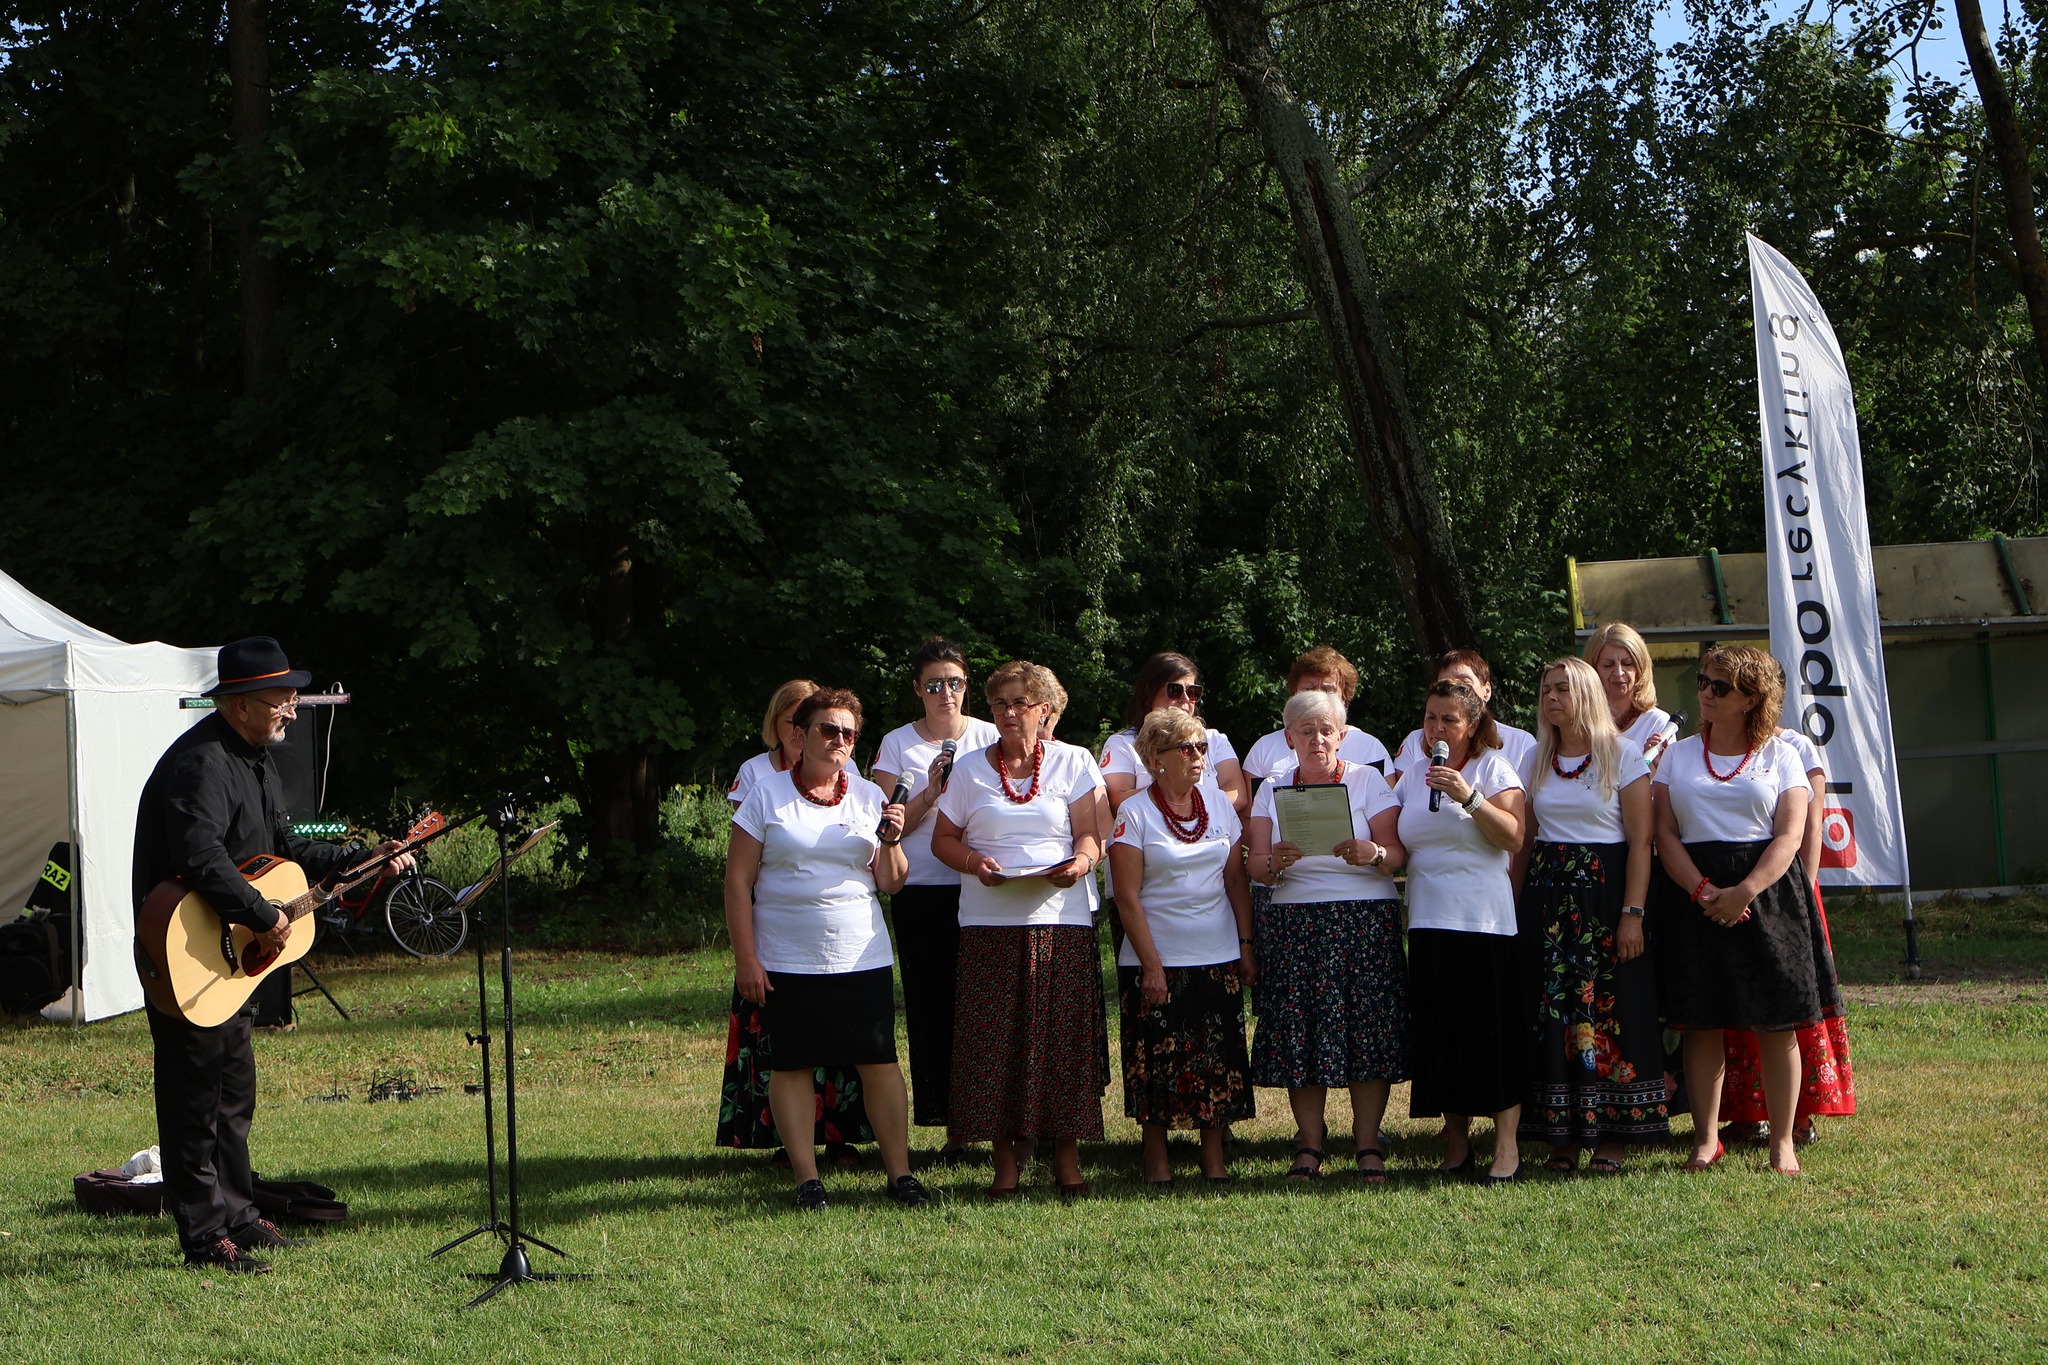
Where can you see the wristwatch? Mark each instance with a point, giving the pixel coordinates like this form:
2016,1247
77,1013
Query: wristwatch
1379,856
1635,911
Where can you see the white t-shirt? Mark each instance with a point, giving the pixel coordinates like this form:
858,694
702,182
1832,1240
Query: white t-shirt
1120,759
1569,810
1647,726
1319,876
1809,753
1457,879
910,756
815,907
1186,907
1270,759
1519,746
763,765
1034,833
1739,810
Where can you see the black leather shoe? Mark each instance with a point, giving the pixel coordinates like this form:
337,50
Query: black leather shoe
261,1235
810,1197
908,1191
225,1256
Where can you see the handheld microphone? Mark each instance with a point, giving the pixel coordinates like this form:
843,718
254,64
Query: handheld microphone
888,827
946,751
1439,754
1664,737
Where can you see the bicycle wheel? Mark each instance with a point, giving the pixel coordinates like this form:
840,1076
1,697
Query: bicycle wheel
423,917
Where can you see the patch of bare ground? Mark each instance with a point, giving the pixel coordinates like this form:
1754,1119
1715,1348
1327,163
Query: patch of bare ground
1981,987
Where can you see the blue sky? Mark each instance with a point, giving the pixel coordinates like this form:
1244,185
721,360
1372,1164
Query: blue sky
1941,52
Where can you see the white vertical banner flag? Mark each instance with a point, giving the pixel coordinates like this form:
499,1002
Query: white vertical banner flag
1824,621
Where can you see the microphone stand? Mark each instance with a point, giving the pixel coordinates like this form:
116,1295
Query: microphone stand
482,1039
514,1268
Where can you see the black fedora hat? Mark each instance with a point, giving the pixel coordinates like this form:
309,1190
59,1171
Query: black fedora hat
254,664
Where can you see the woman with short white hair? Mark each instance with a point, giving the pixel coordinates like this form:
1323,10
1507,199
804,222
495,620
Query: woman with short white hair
1331,1000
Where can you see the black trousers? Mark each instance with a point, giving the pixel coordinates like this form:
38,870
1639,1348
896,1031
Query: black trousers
205,1097
927,922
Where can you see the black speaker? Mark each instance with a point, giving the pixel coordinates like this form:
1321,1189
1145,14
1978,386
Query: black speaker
301,760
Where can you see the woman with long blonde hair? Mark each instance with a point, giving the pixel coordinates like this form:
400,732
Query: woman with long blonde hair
1598,1073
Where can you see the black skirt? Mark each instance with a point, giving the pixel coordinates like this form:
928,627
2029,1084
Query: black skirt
831,1019
1473,1008
1772,973
926,921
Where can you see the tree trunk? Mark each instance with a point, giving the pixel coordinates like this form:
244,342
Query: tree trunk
624,789
1382,431
2015,170
249,80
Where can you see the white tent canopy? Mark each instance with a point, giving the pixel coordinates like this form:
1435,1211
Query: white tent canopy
83,720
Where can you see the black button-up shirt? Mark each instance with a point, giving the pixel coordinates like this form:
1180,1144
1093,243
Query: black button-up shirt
212,804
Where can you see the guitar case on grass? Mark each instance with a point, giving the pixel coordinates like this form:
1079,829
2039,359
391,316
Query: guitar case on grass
296,1201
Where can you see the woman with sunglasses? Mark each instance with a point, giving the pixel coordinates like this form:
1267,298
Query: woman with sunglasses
1021,823
1461,820
810,849
1827,1077
1599,1061
1186,956
926,912
744,1119
1469,667
1621,658
1332,1005
1740,944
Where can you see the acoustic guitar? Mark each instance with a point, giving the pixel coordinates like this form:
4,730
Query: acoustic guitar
196,965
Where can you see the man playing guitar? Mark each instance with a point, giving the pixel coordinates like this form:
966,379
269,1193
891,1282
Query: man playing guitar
213,803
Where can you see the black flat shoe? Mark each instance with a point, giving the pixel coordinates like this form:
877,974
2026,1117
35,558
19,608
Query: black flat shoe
1301,1172
1218,1182
953,1154
1465,1167
1366,1173
1161,1185
1490,1180
908,1191
810,1197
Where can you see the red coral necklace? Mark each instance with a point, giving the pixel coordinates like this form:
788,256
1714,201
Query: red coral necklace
995,756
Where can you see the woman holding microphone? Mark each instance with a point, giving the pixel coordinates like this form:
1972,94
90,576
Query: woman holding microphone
1463,814
926,912
1621,658
1187,953
1021,823
811,847
1332,1009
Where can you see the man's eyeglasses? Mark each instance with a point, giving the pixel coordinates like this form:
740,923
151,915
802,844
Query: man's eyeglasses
934,686
290,703
1720,687
1194,748
834,734
1179,691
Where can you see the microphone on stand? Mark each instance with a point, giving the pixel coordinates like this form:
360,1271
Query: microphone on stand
1439,754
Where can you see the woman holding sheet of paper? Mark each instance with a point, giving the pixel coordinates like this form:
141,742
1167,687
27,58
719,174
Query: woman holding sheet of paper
1331,1005
1462,813
1021,823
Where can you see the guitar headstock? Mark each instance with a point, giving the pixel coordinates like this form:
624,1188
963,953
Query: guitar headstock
433,822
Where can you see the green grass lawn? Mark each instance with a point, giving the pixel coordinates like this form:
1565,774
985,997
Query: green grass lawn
1916,1234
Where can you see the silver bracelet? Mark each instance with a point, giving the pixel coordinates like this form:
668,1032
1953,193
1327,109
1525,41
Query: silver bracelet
1471,803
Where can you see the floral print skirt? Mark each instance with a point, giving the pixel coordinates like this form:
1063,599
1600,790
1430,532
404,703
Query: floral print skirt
743,1117
1331,995
1030,1034
1185,1064
1598,1072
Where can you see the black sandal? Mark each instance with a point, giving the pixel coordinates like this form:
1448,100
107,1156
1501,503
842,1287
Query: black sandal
1371,1177
1300,1172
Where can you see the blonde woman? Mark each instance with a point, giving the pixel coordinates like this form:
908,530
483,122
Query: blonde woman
1740,943
1187,951
1621,659
1598,1074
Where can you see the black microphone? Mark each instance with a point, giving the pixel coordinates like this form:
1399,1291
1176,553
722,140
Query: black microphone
1439,754
896,798
946,752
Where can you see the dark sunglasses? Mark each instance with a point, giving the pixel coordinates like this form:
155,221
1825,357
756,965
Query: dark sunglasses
834,733
1720,687
934,686
1194,748
1177,691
